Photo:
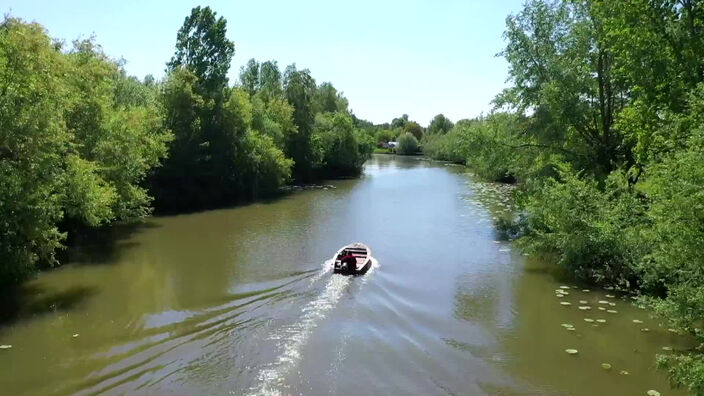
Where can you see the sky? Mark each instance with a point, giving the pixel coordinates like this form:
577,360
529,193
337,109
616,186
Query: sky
388,58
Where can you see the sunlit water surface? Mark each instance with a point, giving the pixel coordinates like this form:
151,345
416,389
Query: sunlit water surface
242,301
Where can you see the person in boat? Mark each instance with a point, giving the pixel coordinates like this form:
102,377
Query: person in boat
349,261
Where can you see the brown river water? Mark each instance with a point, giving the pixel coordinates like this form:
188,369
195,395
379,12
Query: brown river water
241,301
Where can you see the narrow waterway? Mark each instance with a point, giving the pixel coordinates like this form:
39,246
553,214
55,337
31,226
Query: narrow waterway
241,301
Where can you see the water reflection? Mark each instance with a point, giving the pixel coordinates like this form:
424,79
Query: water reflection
239,301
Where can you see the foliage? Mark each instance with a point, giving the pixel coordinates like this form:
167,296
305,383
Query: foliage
77,139
203,48
342,148
440,125
414,129
407,144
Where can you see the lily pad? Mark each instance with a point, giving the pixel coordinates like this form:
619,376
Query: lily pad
567,325
601,320
606,366
637,321
601,308
645,329
666,348
612,304
588,320
5,346
610,296
572,351
583,302
585,308
570,329
624,372
75,335
564,287
653,392
603,302
565,303
586,290
611,311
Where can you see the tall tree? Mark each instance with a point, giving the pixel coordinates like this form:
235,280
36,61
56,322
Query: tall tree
249,76
440,125
202,47
299,88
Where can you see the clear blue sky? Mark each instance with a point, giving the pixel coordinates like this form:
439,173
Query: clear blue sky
388,57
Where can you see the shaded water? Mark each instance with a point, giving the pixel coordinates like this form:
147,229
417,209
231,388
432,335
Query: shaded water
241,301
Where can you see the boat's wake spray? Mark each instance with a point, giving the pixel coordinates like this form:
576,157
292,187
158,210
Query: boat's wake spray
293,337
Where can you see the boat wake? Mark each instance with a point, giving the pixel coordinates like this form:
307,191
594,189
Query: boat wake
292,338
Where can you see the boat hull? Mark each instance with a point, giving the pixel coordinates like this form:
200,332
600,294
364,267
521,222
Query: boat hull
362,253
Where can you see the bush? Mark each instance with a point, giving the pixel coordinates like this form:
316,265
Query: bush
594,233
407,144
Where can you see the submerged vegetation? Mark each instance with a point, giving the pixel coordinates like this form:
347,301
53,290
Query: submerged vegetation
84,145
602,128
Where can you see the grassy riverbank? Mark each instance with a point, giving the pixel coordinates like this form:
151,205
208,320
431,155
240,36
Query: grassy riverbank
602,129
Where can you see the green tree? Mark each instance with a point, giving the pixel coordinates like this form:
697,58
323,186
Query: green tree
249,76
414,129
407,144
299,88
440,125
203,48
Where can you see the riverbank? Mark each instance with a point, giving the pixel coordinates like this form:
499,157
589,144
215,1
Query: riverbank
242,297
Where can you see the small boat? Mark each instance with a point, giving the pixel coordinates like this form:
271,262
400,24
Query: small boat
361,252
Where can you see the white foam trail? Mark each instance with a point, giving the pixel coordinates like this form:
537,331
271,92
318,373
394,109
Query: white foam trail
294,337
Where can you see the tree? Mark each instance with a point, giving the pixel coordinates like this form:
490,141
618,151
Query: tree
203,48
270,82
399,122
249,76
440,125
414,129
342,148
299,88
407,144
562,67
328,100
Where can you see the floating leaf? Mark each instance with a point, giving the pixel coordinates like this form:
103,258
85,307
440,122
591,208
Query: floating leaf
606,366
565,303
610,296
612,304
645,329
585,290
624,372
5,346
637,321
559,295
611,311
567,325
601,320
666,348
564,287
653,392
570,329
588,320
583,302
572,351
603,302
75,335
601,308
585,308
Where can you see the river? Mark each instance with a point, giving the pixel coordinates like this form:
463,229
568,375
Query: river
241,301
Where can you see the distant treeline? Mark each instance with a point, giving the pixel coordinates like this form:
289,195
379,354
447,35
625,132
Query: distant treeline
603,128
84,145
